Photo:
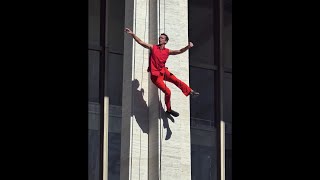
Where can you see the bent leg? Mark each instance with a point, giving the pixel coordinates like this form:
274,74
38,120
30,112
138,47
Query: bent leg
180,84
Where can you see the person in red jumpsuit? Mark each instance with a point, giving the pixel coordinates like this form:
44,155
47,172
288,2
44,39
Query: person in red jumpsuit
158,71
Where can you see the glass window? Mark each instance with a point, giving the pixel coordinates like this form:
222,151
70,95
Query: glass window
94,23
93,89
201,80
93,73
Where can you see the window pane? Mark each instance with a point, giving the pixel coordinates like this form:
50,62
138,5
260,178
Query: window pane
201,31
115,75
93,141
93,78
227,34
94,23
116,25
201,80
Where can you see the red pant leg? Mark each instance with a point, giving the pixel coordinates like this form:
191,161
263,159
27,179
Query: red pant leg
180,84
158,81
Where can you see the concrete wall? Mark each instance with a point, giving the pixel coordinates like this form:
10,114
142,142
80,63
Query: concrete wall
173,134
169,139
134,136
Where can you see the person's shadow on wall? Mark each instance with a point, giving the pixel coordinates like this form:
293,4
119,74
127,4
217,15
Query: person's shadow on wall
140,111
165,116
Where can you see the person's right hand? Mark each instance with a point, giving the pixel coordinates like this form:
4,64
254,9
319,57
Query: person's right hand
127,30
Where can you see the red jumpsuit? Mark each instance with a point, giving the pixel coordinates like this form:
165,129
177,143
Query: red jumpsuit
159,73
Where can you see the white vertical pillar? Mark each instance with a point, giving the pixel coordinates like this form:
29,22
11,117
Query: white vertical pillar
154,146
169,137
135,127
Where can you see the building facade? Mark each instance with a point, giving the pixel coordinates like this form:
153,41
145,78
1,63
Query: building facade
130,135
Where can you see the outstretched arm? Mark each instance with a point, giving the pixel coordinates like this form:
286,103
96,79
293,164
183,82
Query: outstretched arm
175,52
138,40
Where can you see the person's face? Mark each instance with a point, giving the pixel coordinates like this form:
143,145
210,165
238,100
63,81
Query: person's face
162,39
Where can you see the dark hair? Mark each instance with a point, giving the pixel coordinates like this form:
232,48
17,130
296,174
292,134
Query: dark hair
167,38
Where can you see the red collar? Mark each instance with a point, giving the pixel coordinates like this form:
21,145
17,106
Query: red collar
160,48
